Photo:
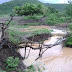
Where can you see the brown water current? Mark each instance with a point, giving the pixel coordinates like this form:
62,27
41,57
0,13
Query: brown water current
55,59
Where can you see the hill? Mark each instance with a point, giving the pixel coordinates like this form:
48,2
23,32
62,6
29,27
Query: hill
7,7
59,7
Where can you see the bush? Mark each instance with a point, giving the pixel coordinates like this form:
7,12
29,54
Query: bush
12,63
52,19
62,19
69,41
57,18
53,10
69,38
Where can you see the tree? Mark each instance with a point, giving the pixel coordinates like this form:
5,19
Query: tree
69,8
29,9
52,10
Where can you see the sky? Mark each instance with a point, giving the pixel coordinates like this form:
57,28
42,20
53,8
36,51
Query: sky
3,1
54,1
44,1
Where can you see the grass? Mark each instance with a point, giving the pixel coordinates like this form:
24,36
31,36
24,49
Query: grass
41,31
15,35
4,15
34,24
34,17
13,23
19,26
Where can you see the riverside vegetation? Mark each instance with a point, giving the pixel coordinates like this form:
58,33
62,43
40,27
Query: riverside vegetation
30,15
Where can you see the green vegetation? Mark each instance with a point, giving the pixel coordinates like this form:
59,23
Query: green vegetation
69,38
68,12
41,31
33,17
32,69
16,36
12,63
31,9
6,8
59,7
2,71
69,9
33,24
57,18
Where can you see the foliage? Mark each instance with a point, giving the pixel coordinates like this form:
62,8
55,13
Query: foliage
30,9
52,10
69,10
32,69
14,36
12,63
69,41
6,8
69,38
59,7
33,17
57,18
52,19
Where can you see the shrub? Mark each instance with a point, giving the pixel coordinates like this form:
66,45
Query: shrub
12,63
52,19
69,38
69,41
53,10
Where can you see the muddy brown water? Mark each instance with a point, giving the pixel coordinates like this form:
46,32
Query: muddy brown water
55,59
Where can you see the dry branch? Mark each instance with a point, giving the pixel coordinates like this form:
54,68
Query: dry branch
3,28
50,46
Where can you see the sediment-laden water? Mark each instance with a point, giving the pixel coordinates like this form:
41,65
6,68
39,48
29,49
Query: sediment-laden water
55,59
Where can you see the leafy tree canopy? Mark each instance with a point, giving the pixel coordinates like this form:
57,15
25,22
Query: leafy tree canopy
30,9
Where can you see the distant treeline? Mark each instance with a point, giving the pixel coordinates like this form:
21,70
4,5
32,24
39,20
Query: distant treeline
59,7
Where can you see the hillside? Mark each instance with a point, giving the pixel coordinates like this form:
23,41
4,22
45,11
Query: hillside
7,7
59,7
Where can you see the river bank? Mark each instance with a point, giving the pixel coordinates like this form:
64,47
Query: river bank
55,59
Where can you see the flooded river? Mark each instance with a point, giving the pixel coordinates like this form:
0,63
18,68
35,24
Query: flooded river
55,59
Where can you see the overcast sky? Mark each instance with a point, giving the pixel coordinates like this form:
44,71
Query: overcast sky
45,1
54,1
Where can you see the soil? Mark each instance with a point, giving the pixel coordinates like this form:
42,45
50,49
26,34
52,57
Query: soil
38,38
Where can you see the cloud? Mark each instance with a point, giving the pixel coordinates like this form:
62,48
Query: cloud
62,1
53,1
